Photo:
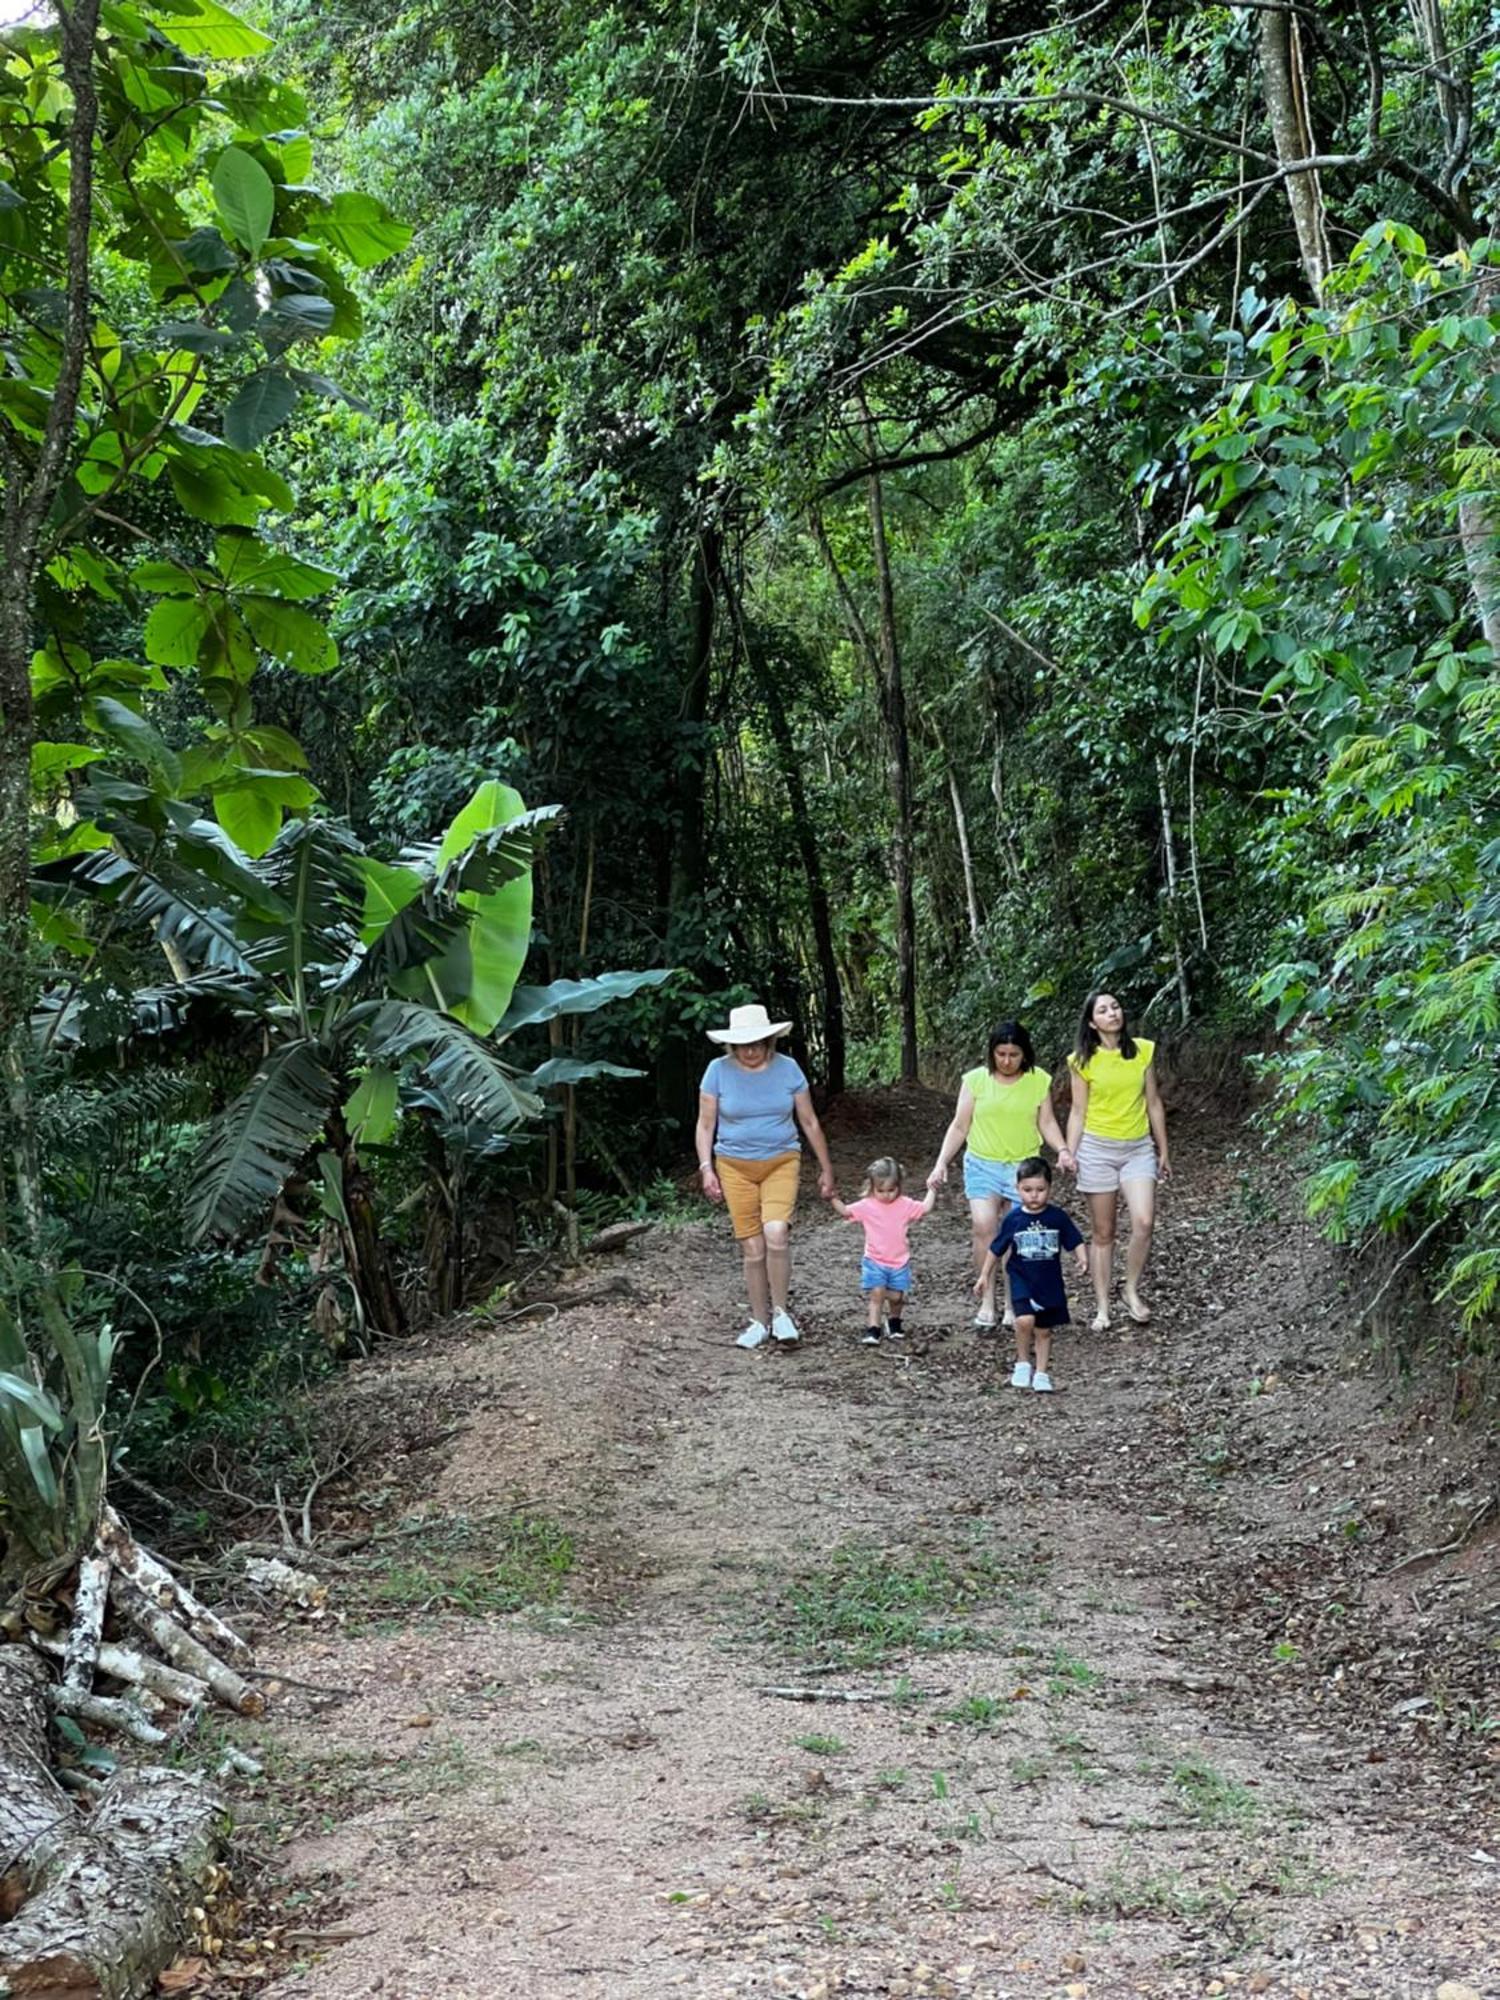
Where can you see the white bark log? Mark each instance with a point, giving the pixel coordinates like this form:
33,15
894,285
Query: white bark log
124,1663
181,1648
35,1813
111,1912
1285,86
168,1591
82,1648
126,1718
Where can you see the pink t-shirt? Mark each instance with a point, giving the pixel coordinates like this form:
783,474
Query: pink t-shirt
885,1226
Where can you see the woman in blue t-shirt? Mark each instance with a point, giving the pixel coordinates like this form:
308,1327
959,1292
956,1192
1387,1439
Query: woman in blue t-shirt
750,1103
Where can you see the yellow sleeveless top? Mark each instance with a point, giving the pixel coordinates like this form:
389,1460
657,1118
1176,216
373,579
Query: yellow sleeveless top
1117,1091
1004,1126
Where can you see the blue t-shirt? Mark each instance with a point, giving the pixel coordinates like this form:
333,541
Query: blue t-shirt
1036,1243
755,1106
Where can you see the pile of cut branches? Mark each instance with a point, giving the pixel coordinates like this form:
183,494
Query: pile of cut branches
92,1875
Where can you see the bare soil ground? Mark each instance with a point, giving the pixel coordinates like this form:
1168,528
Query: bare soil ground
1173,1711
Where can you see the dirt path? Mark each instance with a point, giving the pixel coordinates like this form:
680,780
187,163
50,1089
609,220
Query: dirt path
1160,1718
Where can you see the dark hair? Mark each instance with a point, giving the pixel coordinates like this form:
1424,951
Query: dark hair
1034,1169
1010,1031
1088,1035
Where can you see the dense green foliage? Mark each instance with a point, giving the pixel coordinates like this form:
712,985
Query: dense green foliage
952,505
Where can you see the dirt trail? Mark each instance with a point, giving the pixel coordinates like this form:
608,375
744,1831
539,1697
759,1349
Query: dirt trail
1199,1734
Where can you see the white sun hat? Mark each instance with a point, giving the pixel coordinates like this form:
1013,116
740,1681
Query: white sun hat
748,1024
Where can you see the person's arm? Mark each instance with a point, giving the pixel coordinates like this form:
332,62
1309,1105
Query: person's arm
1080,1104
1078,1247
954,1138
708,1122
924,1206
981,1283
812,1131
1052,1132
1157,1119
843,1208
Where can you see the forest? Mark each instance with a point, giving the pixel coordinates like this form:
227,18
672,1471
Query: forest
525,528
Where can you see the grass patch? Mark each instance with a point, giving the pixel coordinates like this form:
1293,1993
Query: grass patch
1069,1676
822,1746
978,1711
868,1605
478,1569
1211,1798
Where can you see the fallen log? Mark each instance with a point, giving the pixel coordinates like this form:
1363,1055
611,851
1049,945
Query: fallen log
126,1718
82,1648
35,1813
137,1669
614,1236
166,1591
180,1648
110,1912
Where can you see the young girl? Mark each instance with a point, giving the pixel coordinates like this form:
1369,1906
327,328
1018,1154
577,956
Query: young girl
885,1272
1118,1131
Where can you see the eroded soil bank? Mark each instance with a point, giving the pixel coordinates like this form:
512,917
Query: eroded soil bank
1162,1705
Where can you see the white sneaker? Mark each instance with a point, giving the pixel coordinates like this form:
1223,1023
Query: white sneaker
1020,1376
753,1335
984,1321
785,1328
1041,1381
1008,1319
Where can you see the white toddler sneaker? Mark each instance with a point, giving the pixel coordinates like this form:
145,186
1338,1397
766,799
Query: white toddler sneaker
1020,1376
753,1335
785,1329
1042,1381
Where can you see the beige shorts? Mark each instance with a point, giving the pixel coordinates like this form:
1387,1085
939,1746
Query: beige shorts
759,1191
1105,1164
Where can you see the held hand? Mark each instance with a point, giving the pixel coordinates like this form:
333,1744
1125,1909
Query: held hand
711,1186
979,1288
828,1187
939,1176
1068,1160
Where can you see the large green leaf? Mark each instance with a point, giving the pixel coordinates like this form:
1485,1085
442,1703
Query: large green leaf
175,630
260,1139
476,978
39,1459
361,227
16,1389
467,1072
245,195
136,737
373,1107
249,816
179,905
575,1069
291,634
247,563
203,28
534,1004
260,405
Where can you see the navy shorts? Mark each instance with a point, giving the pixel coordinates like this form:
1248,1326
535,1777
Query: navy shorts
1024,1307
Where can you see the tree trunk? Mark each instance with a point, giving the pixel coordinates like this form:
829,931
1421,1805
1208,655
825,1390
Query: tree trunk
961,832
898,770
35,1813
790,765
677,1062
1284,82
109,1912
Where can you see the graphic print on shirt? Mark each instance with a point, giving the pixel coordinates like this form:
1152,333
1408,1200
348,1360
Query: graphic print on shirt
1036,1241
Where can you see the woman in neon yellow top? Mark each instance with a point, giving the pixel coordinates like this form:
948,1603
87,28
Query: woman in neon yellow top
1118,1131
1003,1109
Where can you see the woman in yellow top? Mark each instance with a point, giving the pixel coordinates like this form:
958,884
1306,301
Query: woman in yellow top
1117,1130
1003,1109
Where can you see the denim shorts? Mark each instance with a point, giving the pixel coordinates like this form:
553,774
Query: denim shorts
984,1177
875,1277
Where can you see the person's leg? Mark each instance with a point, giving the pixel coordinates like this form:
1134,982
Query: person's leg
753,1250
984,1215
1140,1199
1102,1253
1041,1350
875,1306
778,1237
1020,1375
895,1304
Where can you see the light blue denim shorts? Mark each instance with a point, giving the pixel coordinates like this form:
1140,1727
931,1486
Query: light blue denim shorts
990,1177
875,1277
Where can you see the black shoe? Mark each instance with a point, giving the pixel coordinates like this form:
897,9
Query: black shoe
871,1337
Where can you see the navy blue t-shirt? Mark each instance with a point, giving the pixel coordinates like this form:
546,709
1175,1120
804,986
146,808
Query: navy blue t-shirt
1036,1243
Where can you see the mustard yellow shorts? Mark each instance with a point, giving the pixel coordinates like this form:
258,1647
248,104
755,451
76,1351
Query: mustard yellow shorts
759,1191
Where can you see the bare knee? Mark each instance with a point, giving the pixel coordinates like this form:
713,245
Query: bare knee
753,1249
777,1235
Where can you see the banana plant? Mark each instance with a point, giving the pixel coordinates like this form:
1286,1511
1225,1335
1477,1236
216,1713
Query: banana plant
377,988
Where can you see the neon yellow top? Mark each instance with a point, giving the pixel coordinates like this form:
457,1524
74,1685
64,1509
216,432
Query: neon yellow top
1117,1091
1004,1126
